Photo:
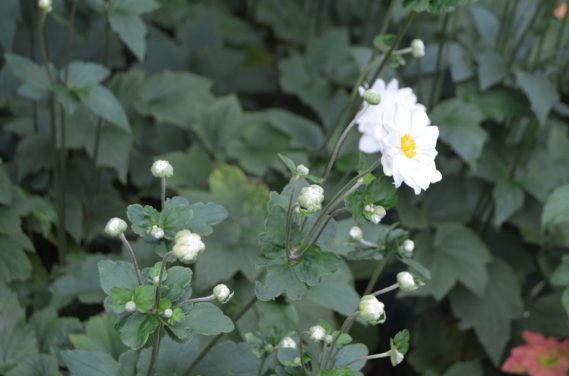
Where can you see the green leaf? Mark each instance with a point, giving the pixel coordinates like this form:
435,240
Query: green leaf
492,69
228,359
178,280
142,218
302,132
173,358
6,195
401,341
470,368
143,297
174,97
207,319
280,279
417,266
117,274
134,329
434,6
34,154
82,75
560,276
174,219
459,124
102,102
487,24
286,356
36,365
35,81
556,209
491,314
288,162
9,16
382,192
336,292
456,255
349,353
339,372
164,305
100,335
565,300
155,272
541,93
343,340
355,203
90,363
315,265
206,216
51,331
119,297
14,264
508,199
177,316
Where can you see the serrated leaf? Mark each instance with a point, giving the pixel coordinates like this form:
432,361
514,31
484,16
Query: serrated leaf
288,162
383,192
355,203
134,329
401,341
142,218
228,359
206,216
207,319
83,75
14,264
541,93
102,102
35,80
36,365
175,219
556,209
281,278
143,297
508,199
315,265
6,195
100,335
117,274
119,297
179,278
90,363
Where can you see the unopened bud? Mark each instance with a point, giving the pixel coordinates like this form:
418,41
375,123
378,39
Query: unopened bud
356,233
408,246
130,306
328,339
45,5
297,361
156,279
399,357
167,313
372,310
417,48
378,214
406,281
162,169
302,170
288,342
269,348
372,97
222,293
115,227
157,232
317,333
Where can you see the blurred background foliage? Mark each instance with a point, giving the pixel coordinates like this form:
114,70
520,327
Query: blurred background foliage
217,88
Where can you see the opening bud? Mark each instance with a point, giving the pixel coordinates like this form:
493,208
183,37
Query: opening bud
317,333
356,233
188,246
115,227
372,310
157,232
162,169
130,306
287,342
302,170
328,339
167,313
417,48
310,199
372,97
222,293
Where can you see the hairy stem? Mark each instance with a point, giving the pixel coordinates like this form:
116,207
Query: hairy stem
376,356
197,300
438,68
133,257
155,349
216,339
387,289
376,274
300,347
289,217
260,372
163,194
387,18
344,329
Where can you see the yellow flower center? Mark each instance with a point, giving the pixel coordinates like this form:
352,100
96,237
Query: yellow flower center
408,146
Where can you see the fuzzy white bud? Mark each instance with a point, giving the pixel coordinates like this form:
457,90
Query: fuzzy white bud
408,246
162,169
368,208
317,333
302,170
372,97
222,293
372,310
328,339
406,281
287,342
156,279
311,198
356,233
378,214
130,306
417,48
45,5
297,361
188,246
157,232
167,313
115,227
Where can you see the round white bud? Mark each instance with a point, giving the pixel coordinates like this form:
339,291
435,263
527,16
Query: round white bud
157,232
167,313
130,306
162,169
372,310
297,361
156,279
115,227
317,333
356,233
372,97
408,246
287,342
417,48
378,214
45,5
269,348
188,246
328,339
406,281
222,293
302,170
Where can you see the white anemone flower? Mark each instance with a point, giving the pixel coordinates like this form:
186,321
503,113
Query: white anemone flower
370,121
409,148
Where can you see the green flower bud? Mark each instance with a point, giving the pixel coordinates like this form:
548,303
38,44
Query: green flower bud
378,214
162,169
356,233
328,339
417,48
222,293
115,227
302,170
45,5
372,97
269,348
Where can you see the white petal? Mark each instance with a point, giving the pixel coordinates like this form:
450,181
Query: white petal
379,86
427,139
420,122
369,144
393,85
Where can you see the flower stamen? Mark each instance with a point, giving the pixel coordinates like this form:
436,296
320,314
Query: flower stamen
408,146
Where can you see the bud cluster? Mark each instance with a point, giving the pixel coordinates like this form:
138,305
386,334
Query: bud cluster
188,246
372,310
287,342
157,232
317,333
374,213
310,199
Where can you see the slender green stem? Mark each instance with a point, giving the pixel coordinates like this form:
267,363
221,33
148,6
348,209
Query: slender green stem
438,67
387,289
344,329
503,25
376,274
526,31
197,300
387,18
62,182
163,195
304,220
43,46
133,257
538,52
70,39
324,347
559,38
341,140
33,16
289,216
216,339
441,79
162,269
419,62
260,372
370,244
155,349
369,357
322,228
301,350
